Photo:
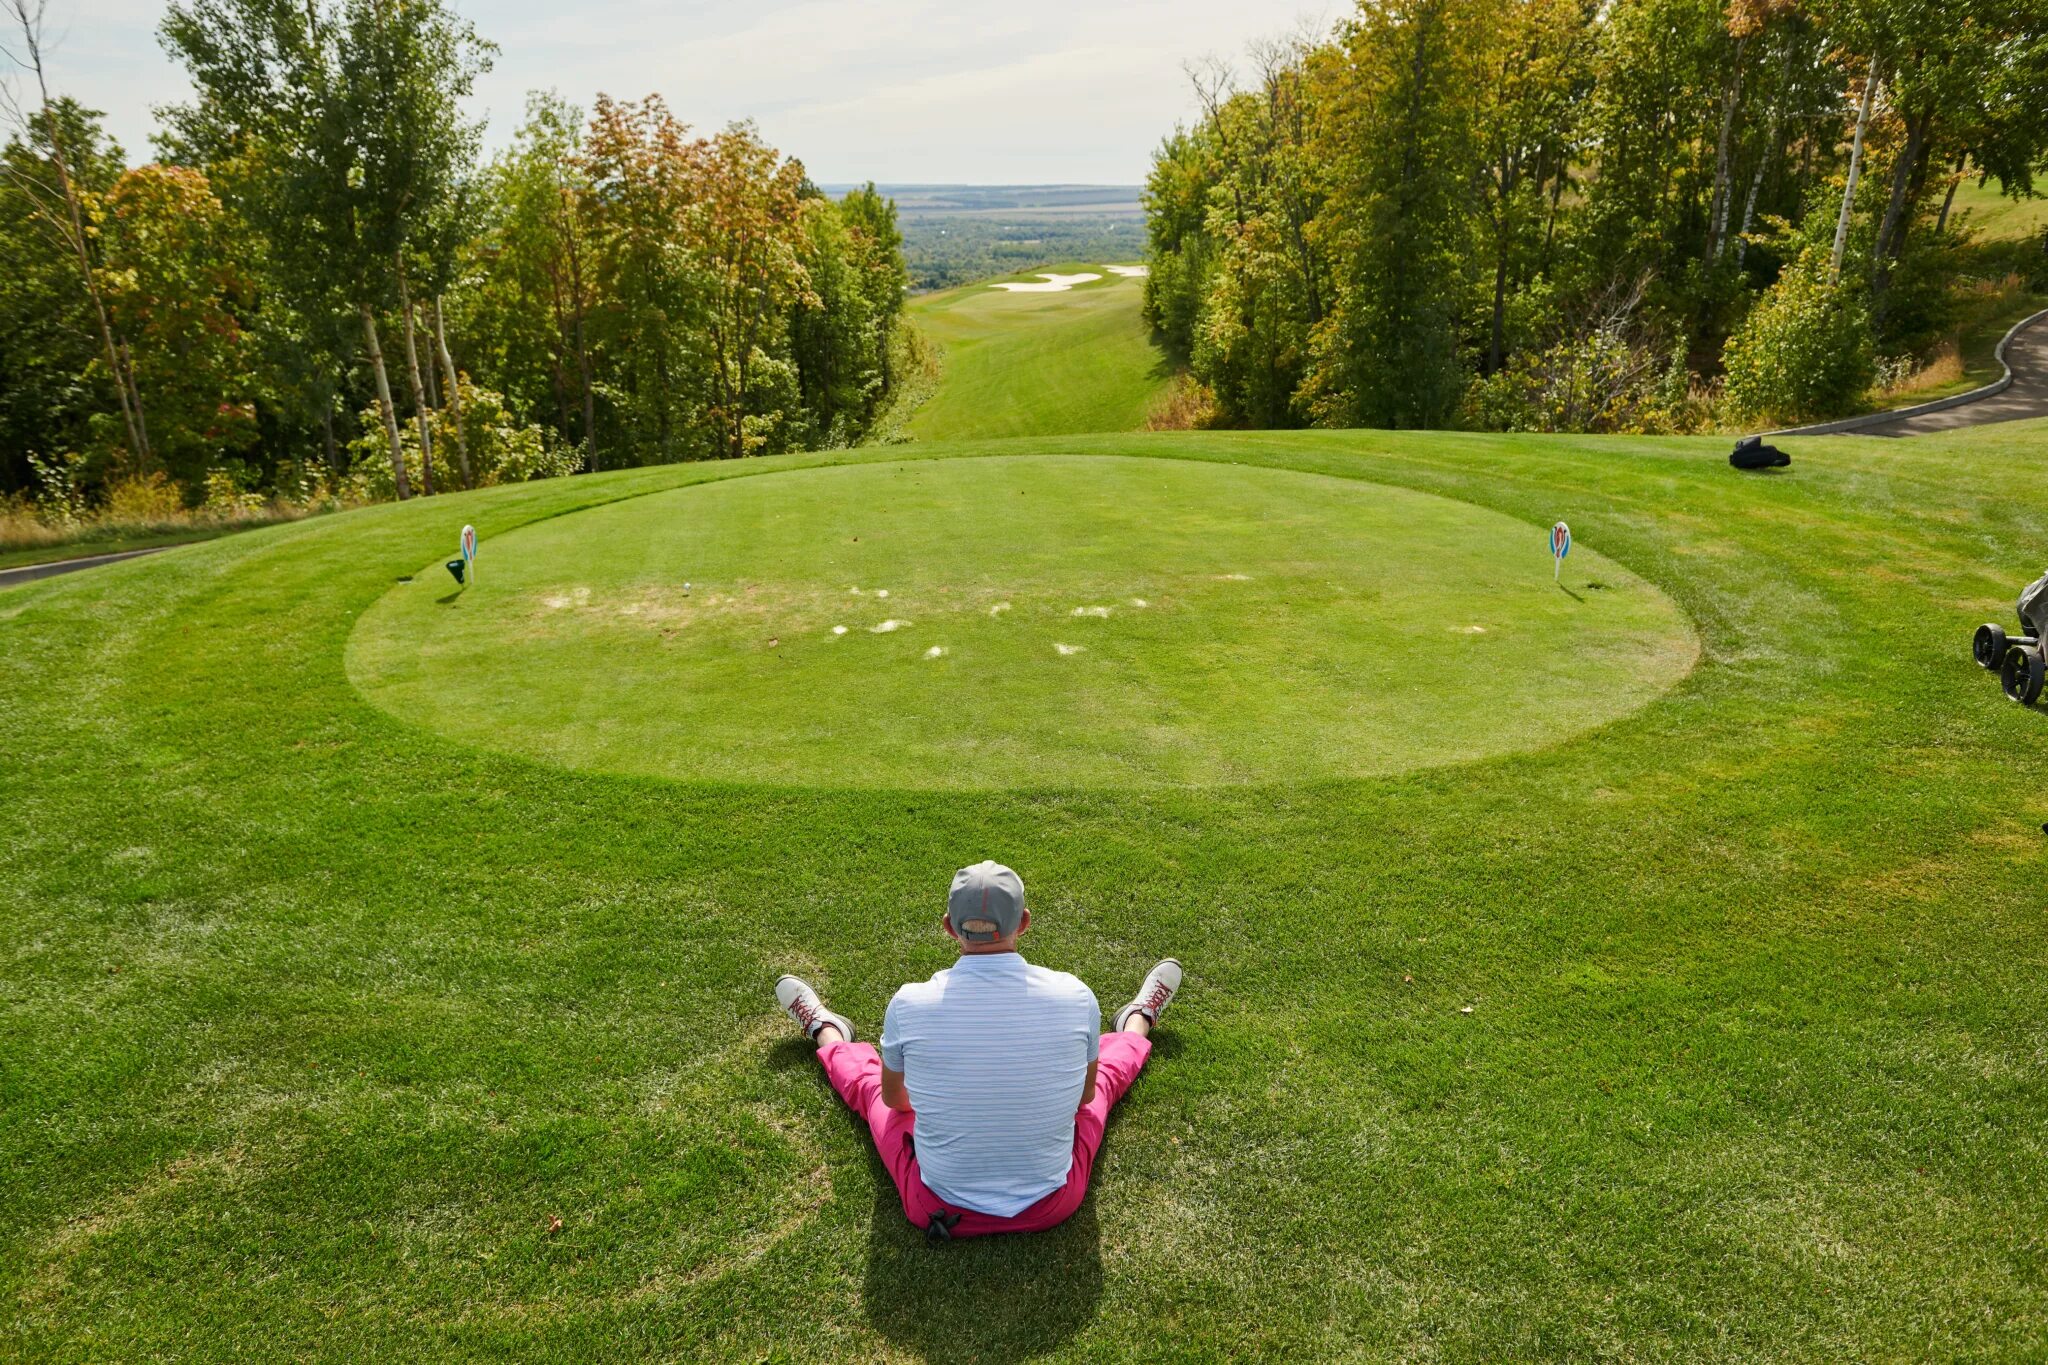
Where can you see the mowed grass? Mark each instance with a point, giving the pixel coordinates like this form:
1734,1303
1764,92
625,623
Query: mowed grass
1995,216
1040,364
1027,621
329,1035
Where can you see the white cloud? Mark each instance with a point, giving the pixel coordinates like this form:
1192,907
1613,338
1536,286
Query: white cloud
896,90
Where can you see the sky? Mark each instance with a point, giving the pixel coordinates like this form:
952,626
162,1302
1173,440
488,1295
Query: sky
969,92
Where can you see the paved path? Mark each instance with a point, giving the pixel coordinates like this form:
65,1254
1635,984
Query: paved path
2027,354
29,573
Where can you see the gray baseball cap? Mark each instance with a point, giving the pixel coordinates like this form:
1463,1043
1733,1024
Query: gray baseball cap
990,898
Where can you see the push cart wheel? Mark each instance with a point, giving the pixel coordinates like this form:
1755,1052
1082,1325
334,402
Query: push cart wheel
1989,647
2021,674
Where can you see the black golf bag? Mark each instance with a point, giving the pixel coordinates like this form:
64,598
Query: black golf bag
1751,453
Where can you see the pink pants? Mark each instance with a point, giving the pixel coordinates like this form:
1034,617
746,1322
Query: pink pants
855,1070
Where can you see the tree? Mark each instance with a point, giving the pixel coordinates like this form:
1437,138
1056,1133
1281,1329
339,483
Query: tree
67,209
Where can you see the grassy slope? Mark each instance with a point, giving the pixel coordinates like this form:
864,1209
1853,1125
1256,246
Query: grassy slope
1995,217
314,1020
1040,364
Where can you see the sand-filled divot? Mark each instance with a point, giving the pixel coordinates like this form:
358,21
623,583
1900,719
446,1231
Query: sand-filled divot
936,652
839,630
1091,611
998,609
887,626
1068,649
1049,283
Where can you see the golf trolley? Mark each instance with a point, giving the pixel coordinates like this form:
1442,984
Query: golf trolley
2018,659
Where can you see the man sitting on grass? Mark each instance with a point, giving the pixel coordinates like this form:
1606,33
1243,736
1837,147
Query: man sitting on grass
989,1095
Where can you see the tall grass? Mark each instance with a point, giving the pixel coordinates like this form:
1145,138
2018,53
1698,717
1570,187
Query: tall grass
137,509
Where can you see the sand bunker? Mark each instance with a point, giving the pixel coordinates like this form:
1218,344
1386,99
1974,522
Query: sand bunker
1129,272
1052,284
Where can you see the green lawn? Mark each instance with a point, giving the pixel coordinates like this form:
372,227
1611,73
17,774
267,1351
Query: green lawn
1995,216
320,1008
1040,364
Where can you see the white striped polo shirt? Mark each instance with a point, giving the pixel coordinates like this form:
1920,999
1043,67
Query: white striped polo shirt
994,1052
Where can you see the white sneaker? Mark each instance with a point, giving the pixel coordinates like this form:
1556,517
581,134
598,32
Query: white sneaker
802,1004
1153,997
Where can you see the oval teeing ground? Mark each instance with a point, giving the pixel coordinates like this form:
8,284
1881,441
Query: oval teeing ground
1022,622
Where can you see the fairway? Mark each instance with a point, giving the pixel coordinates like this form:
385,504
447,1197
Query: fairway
1025,621
1041,363
1660,974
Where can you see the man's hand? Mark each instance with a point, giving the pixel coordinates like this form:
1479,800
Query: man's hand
897,1098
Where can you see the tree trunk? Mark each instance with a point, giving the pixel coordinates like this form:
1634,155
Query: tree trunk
1717,207
1948,200
1855,170
1891,233
579,306
454,394
419,390
384,404
327,445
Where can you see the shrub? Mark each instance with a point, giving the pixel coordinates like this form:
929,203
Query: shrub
1804,351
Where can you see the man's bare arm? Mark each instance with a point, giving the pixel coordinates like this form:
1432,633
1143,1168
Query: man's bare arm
1087,1086
896,1097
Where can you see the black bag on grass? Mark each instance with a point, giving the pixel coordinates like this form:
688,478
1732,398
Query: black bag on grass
1751,453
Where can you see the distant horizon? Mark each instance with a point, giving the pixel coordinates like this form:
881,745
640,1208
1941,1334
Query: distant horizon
908,92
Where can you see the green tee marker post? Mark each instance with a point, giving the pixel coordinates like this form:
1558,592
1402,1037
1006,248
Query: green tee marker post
1560,546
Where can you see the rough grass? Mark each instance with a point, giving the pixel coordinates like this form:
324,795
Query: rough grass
1040,364
324,1035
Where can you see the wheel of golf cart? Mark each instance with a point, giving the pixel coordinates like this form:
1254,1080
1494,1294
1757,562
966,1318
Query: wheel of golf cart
1989,646
2021,674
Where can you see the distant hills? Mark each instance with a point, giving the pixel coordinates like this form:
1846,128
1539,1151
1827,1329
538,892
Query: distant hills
953,234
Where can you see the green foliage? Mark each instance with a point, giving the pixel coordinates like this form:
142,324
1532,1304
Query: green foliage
1445,185
502,449
1606,375
1805,350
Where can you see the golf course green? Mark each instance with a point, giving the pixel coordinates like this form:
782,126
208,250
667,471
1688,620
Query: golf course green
1657,974
1042,362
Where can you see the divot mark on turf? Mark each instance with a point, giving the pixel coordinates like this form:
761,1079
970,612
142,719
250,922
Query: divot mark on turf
887,626
1139,602
1068,649
936,652
998,609
839,630
1235,577
1091,611
1472,630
